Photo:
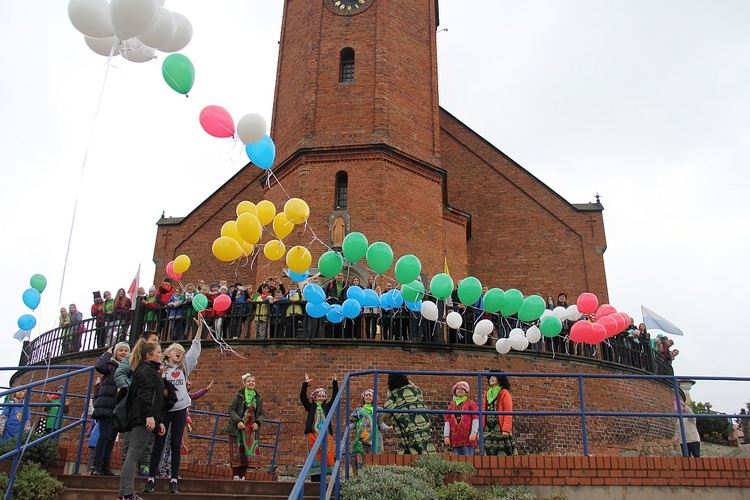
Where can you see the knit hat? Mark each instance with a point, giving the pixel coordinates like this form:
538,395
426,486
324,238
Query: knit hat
366,392
319,392
461,385
121,344
152,288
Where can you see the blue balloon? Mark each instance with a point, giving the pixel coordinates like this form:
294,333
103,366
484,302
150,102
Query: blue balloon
414,306
384,304
31,298
26,322
262,153
314,293
335,315
395,299
317,310
351,308
356,293
371,298
299,277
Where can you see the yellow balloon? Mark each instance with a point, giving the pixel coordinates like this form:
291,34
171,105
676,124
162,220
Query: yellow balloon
281,226
226,249
247,249
249,228
296,210
247,207
298,259
230,229
266,211
274,250
181,264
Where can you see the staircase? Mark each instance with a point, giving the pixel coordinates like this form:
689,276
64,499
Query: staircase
83,487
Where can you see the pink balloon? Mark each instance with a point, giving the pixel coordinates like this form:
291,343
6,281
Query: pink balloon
580,331
222,303
170,270
217,121
587,303
598,335
610,325
605,310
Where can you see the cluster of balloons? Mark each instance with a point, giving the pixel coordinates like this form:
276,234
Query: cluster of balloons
604,321
135,30
251,130
31,298
176,268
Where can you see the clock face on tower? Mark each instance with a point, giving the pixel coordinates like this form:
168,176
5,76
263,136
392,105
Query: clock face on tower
348,7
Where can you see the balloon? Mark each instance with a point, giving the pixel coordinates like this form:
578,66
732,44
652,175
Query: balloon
251,128
502,346
517,342
170,269
354,246
512,303
572,313
317,310
229,229
281,226
217,121
355,292
624,321
330,264
133,17
394,298
222,303
441,286
546,313
587,303
351,308
298,259
379,257
494,300
414,306
178,72
581,331
314,293
182,35
200,302
469,291
533,334
38,282
429,310
181,264
560,312
247,248
26,322
604,310
413,292
32,297
484,327
296,210
371,298
479,339
598,335
262,153
136,52
532,308
249,227
551,326
610,325
516,332
91,17
274,250
246,206
226,249
384,303
266,211
298,277
407,269
162,31
106,47
335,314
454,320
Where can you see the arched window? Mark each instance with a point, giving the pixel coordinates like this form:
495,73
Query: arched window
346,73
342,180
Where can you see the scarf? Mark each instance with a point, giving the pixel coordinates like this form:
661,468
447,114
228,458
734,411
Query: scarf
367,407
460,400
320,416
249,397
492,393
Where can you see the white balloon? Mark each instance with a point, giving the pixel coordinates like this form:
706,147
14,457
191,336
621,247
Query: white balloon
429,310
502,346
136,52
479,339
572,313
133,17
251,129
517,342
525,343
182,35
104,46
559,311
516,332
161,32
91,17
454,320
484,327
546,313
534,334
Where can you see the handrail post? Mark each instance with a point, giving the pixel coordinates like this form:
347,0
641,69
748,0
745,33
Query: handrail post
323,463
83,426
681,420
582,400
337,451
213,439
480,397
348,436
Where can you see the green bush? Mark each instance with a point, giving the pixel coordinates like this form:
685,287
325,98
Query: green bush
377,482
711,430
457,491
45,453
439,467
509,493
32,482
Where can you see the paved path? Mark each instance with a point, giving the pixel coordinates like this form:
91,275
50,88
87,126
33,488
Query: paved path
712,450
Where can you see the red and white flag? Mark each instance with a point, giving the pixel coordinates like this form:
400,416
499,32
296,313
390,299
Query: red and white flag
134,286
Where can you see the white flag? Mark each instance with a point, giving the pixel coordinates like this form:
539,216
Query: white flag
133,290
655,322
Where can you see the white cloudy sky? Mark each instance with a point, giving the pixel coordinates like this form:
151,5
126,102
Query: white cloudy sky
646,103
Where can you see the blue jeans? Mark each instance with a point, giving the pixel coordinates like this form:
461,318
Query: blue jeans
103,450
463,450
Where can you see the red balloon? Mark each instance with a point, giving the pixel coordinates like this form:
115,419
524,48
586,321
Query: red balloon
222,303
580,331
610,325
217,121
605,310
587,303
171,273
598,335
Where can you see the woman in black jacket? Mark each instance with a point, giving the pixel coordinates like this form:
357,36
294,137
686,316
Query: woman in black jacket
245,418
146,412
317,407
103,406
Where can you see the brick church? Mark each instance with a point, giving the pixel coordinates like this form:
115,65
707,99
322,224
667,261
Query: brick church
360,136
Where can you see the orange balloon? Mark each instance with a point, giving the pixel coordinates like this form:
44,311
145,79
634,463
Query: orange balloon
274,250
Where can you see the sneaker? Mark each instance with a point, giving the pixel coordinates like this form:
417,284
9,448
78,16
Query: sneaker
235,478
173,488
149,488
143,471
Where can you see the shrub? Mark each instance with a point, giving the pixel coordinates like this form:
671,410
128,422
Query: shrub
457,491
439,467
45,453
711,430
509,493
389,483
32,483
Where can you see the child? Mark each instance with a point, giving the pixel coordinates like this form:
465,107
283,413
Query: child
294,312
243,428
175,313
13,418
317,407
54,417
460,431
188,311
277,310
261,311
361,428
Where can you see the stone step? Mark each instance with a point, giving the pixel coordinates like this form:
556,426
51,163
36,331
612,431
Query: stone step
83,494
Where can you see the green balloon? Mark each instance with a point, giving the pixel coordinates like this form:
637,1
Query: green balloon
408,268
412,292
551,326
200,302
179,73
441,286
330,264
494,300
38,283
532,308
469,291
513,302
379,257
354,246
